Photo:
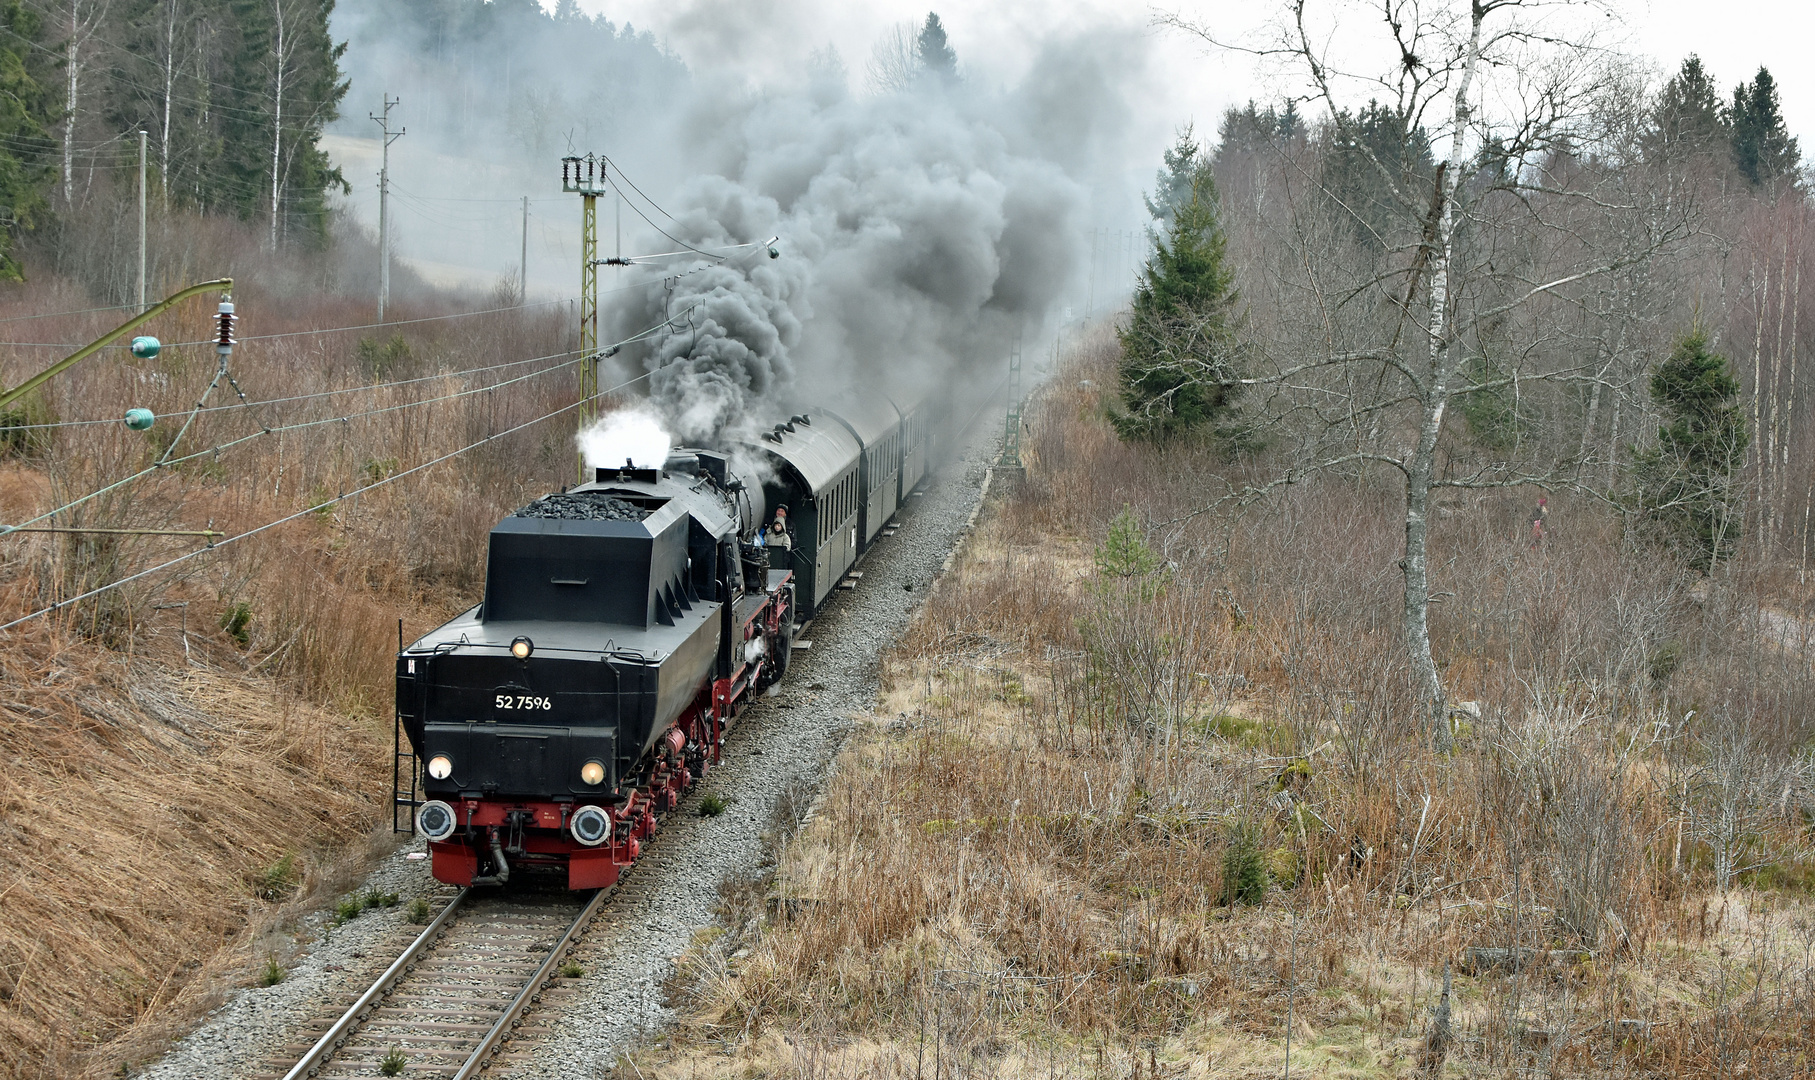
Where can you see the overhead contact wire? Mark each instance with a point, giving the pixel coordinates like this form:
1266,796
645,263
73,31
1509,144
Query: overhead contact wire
141,474
186,556
320,394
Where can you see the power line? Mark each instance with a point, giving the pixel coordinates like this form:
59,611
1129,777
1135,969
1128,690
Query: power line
141,474
310,397
305,333
259,434
186,556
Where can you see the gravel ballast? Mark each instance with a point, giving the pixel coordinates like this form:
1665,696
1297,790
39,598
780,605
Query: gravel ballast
783,743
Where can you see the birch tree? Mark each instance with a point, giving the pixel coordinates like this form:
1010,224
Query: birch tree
1464,276
85,17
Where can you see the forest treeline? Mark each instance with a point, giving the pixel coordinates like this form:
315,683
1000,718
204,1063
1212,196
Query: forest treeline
235,95
1471,296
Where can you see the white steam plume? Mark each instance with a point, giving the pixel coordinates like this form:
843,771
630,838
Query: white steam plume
634,435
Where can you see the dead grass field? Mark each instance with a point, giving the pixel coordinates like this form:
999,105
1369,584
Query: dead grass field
195,758
157,822
1116,824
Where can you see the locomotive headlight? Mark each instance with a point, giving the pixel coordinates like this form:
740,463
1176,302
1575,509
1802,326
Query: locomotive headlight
436,820
592,774
589,826
522,647
441,766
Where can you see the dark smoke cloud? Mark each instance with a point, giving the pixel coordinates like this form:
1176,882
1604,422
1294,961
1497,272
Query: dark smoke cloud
920,233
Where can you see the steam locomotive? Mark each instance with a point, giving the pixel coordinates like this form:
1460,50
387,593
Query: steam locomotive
625,623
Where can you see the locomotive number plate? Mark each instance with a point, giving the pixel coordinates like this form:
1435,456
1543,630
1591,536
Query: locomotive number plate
525,702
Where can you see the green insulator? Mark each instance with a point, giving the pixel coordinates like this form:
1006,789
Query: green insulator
139,419
146,347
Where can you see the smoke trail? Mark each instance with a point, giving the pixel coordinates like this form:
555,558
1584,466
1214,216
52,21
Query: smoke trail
916,241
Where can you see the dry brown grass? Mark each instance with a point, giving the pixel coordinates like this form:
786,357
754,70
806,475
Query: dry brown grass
1019,868
157,767
143,807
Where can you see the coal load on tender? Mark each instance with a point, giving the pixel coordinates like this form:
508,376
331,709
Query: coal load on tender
583,506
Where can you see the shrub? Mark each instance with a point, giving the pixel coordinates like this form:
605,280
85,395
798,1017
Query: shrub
713,804
272,974
393,1062
418,911
375,897
1244,867
277,881
237,622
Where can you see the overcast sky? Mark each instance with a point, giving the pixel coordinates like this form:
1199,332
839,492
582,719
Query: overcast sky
764,40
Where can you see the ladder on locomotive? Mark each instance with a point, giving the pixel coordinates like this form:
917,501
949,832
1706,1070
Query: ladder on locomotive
403,760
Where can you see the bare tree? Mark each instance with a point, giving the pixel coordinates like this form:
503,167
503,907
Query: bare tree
85,17
1460,274
895,60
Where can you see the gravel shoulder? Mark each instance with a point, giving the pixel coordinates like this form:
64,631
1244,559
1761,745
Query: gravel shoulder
782,744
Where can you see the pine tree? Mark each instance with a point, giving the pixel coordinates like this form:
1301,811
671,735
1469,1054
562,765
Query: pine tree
1174,185
27,109
1687,115
1762,147
1685,484
1377,156
934,53
1178,349
1253,129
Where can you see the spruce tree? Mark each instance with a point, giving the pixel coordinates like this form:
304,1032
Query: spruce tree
934,52
1685,484
1175,184
27,166
1375,151
1762,147
1178,349
1687,115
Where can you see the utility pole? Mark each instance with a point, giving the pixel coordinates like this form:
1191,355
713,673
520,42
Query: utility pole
384,192
586,178
523,260
141,221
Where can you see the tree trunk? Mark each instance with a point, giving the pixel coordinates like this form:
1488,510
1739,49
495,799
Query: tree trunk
169,94
72,73
277,124
1421,466
1416,566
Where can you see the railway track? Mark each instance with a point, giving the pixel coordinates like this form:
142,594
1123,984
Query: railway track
482,985
446,1006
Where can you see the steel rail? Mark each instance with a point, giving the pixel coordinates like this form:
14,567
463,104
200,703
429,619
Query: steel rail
324,1047
532,989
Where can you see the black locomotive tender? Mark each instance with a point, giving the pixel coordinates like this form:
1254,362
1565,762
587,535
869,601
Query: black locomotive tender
625,623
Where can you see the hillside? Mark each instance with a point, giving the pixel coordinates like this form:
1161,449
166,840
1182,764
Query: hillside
200,755
1129,814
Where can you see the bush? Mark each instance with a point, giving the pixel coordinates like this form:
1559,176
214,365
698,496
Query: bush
18,436
713,804
272,974
418,911
1244,867
237,622
277,881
